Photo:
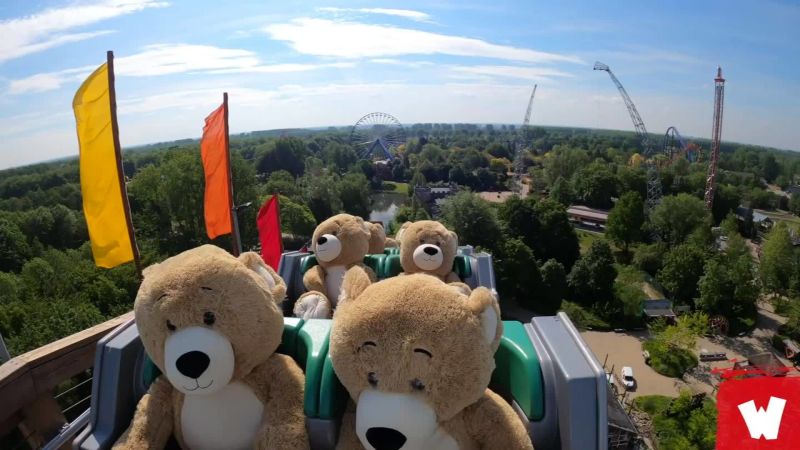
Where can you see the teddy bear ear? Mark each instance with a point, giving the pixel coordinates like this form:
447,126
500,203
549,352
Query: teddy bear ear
355,281
454,236
484,305
151,269
399,234
275,283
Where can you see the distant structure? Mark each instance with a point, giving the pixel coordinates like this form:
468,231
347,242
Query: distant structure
585,217
376,135
719,98
432,198
519,146
675,146
653,180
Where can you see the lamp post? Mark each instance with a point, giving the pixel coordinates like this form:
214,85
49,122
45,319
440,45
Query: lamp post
237,237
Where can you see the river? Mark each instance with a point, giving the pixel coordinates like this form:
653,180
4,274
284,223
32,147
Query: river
385,205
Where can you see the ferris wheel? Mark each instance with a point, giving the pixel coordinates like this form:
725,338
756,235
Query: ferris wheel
377,133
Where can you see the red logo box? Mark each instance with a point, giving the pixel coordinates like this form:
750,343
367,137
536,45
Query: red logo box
763,406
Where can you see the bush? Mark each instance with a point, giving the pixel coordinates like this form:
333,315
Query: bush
649,258
680,423
670,362
583,318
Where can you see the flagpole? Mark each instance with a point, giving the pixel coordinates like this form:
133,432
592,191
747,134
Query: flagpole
112,94
236,239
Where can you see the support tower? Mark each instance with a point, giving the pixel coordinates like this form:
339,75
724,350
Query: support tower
719,98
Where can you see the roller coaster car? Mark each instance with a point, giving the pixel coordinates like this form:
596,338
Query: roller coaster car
543,369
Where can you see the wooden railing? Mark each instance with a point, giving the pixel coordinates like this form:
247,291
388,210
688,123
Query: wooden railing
28,382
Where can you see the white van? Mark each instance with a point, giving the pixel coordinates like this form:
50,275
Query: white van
626,374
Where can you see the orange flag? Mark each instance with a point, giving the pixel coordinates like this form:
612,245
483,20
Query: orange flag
214,152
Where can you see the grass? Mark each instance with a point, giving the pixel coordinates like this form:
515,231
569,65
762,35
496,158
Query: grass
781,216
585,239
391,186
673,363
633,276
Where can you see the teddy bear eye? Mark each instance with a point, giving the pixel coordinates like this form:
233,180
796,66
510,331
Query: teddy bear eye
170,326
424,352
209,318
367,344
417,384
372,379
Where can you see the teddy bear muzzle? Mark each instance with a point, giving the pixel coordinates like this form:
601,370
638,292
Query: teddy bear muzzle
198,360
428,257
327,247
394,421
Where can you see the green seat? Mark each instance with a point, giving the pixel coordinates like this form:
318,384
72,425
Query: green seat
391,251
462,267
518,373
307,262
375,262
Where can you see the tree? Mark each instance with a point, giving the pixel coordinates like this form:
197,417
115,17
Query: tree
561,192
650,257
683,267
626,220
726,200
287,154
282,182
728,286
677,216
14,248
473,219
594,185
321,194
564,162
354,192
769,167
557,239
518,276
296,218
591,280
554,281
794,204
778,260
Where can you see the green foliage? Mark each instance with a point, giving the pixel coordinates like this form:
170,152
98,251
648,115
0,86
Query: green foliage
518,274
14,248
282,182
583,318
594,185
670,363
591,279
564,162
728,286
780,263
296,218
683,267
672,347
554,281
473,219
680,423
626,220
650,257
676,217
794,204
287,154
561,192
354,193
557,238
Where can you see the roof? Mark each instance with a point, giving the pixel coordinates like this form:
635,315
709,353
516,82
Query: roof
658,308
587,213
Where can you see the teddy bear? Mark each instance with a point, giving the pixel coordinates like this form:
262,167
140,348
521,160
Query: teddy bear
340,244
211,323
416,357
378,240
428,247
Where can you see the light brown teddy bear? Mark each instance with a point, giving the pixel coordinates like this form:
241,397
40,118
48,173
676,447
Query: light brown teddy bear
428,247
211,323
340,244
416,357
378,240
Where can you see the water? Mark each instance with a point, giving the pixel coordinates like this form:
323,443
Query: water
385,206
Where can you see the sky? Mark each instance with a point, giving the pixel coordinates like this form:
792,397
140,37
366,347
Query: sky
293,64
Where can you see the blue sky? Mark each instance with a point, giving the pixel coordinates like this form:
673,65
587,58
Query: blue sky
318,63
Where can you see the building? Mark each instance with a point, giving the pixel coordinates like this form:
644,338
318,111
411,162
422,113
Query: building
585,217
793,190
432,198
653,309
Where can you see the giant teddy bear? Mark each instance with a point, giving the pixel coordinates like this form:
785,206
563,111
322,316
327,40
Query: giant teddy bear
211,323
428,247
416,357
378,240
340,244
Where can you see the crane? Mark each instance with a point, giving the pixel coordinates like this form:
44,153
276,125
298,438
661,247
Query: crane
716,134
519,165
653,180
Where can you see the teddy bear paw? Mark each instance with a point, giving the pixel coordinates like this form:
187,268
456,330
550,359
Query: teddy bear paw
312,306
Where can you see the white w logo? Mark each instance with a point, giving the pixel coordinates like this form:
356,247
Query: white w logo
763,422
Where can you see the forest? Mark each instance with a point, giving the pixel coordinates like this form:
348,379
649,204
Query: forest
50,288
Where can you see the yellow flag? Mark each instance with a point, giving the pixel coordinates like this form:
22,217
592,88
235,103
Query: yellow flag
103,203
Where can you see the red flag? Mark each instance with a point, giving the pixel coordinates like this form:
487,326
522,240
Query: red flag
214,152
269,232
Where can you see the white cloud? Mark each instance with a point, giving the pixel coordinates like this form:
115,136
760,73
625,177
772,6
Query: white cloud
167,59
522,72
418,16
49,28
321,37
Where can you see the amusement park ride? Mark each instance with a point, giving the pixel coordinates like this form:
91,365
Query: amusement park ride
377,134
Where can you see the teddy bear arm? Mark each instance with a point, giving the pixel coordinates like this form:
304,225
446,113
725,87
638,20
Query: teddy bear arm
452,277
494,425
280,382
314,279
152,424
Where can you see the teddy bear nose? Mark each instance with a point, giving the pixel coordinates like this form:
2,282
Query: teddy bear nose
322,240
193,364
385,438
431,250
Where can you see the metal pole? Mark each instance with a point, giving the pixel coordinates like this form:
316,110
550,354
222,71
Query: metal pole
236,240
112,94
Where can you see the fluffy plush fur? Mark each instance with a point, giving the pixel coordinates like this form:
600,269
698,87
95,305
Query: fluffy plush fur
207,294
416,357
378,240
340,244
428,247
